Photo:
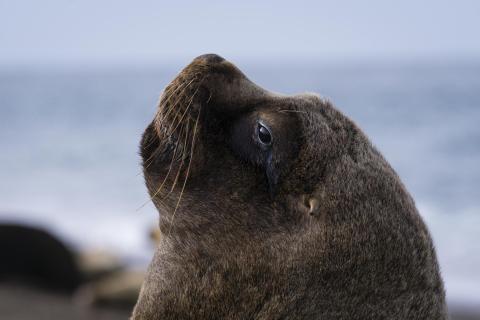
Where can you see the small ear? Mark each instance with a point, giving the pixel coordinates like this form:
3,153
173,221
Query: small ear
309,205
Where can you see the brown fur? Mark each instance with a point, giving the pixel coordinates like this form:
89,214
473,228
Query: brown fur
318,226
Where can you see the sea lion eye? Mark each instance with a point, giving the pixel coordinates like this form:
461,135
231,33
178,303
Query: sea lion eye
264,135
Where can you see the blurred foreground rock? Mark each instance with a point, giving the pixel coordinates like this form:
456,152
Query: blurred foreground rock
42,278
22,303
119,289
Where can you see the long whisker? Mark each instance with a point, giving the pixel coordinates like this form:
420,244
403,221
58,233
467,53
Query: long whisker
149,160
163,105
170,130
187,173
180,168
172,107
167,175
184,85
174,124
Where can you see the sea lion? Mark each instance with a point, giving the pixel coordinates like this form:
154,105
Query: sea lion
276,207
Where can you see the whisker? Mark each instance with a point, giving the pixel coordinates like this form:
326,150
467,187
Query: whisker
186,174
185,85
184,113
166,114
180,168
163,105
182,86
166,176
150,159
171,130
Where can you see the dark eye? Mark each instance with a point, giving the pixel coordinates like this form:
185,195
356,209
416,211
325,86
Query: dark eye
264,135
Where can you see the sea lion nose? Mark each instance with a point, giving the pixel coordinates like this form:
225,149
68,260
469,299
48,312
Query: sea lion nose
210,58
223,85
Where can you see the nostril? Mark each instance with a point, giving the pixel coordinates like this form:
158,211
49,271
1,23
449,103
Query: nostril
210,58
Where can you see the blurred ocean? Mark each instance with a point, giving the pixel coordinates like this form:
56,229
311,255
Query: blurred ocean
69,142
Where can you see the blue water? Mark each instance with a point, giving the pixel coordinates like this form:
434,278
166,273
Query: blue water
69,161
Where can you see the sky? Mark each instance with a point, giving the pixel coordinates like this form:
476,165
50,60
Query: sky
90,32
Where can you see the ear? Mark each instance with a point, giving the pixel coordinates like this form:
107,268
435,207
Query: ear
309,205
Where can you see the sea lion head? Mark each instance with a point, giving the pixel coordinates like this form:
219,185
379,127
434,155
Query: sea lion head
275,206
217,132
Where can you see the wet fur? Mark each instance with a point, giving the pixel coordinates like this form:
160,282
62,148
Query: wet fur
233,248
